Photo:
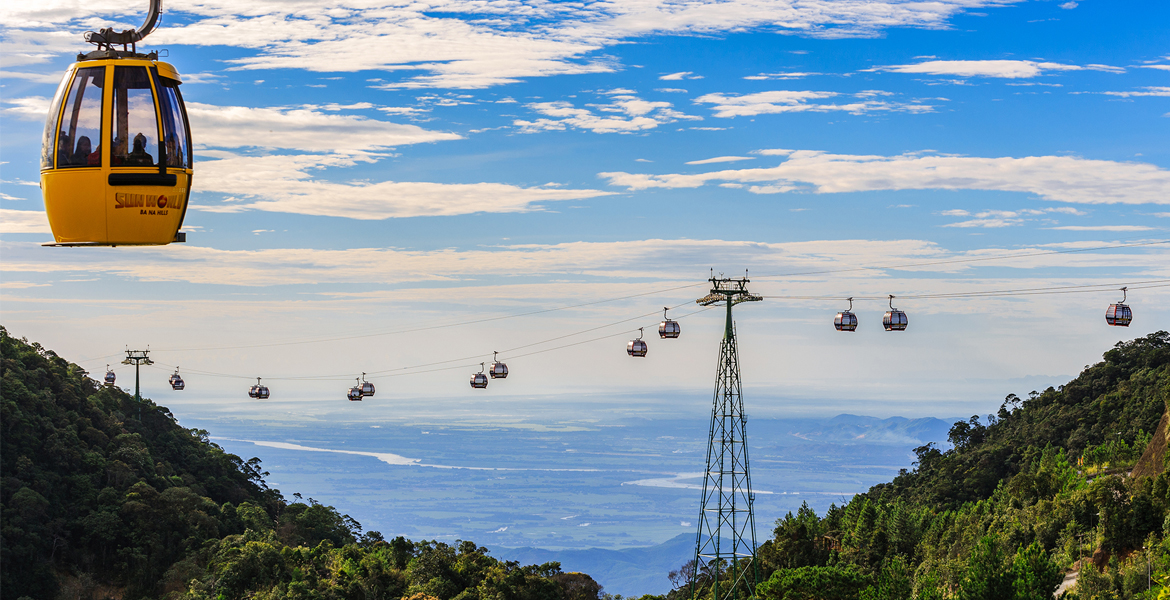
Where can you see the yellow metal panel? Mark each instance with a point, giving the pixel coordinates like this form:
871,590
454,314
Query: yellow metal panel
168,71
145,214
75,204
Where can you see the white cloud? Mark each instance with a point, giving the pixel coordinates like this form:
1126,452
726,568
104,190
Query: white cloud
987,223
625,113
1059,178
23,221
454,43
28,108
1069,5
671,90
1146,91
680,76
197,78
779,76
301,128
1006,69
1004,218
719,159
1103,228
331,139
651,259
21,285
783,101
1160,67
282,183
46,78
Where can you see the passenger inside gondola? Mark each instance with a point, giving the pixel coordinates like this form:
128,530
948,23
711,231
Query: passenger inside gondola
174,152
139,157
81,154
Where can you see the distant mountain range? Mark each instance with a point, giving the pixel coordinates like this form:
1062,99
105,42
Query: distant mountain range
857,429
632,571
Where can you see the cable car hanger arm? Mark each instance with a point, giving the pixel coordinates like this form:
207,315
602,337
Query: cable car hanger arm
108,37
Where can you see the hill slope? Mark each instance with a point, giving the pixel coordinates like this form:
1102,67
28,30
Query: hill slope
101,497
1021,497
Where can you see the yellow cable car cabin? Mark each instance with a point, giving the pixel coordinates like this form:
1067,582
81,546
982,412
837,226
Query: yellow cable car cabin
116,160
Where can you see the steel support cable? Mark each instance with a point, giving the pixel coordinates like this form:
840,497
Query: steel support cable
1071,289
542,311
430,327
829,271
391,372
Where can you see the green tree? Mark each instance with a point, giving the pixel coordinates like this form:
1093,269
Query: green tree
987,575
813,583
1034,574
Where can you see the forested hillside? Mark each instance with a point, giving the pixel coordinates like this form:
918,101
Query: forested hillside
1038,489
103,497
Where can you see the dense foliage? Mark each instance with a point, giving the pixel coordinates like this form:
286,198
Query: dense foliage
102,496
1023,497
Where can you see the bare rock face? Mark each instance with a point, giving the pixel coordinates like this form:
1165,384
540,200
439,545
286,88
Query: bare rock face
1151,462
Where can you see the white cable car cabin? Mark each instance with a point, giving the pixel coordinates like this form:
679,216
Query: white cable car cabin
668,328
846,320
110,377
1119,315
479,380
176,380
258,391
367,387
499,370
355,393
637,348
895,320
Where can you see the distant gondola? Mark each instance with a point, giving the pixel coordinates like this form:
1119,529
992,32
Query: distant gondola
1119,315
668,328
367,387
637,348
479,380
498,370
355,392
895,320
176,380
258,391
846,320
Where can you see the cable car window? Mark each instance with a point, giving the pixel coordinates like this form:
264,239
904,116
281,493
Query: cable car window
174,125
47,145
81,125
135,133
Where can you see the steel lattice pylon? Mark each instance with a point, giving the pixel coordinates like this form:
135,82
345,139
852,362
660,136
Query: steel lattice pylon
725,545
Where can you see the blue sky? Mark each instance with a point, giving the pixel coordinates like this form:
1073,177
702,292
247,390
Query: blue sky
369,167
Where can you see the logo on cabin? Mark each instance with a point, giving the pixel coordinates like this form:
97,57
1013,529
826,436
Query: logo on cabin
148,203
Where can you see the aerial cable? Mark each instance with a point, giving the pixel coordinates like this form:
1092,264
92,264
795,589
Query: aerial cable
1071,289
430,327
569,307
394,373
